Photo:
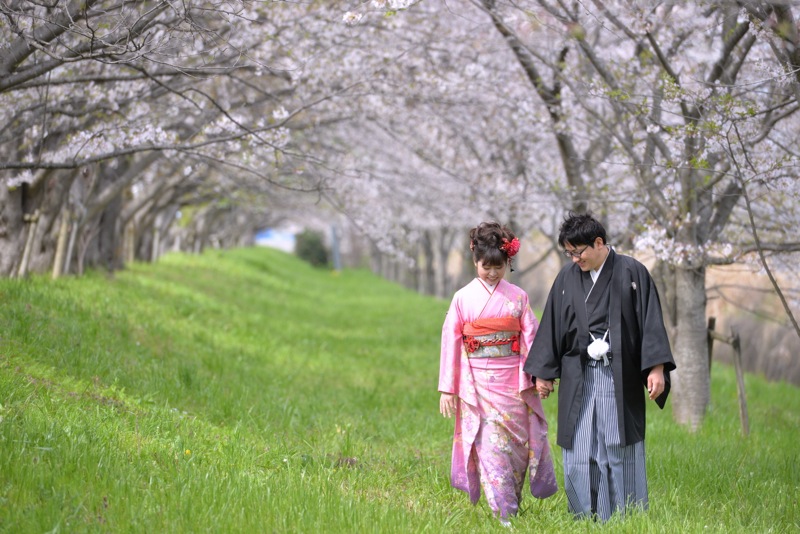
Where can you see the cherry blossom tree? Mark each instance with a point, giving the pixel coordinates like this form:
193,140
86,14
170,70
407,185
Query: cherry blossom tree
675,122
102,102
697,109
469,144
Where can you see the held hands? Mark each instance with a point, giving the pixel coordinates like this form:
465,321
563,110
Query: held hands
655,382
545,387
448,404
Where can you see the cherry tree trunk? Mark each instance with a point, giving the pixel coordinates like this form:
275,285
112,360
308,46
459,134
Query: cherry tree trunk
109,250
46,199
427,273
690,381
442,285
12,230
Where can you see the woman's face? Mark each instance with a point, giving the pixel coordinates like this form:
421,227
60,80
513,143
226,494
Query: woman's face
491,274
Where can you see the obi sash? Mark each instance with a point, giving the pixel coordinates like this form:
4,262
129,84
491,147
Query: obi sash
492,338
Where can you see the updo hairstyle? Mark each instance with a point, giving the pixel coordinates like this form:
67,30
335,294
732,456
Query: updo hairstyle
485,241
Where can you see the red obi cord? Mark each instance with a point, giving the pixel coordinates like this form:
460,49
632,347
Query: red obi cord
471,343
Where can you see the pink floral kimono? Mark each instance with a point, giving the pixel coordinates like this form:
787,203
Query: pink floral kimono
500,430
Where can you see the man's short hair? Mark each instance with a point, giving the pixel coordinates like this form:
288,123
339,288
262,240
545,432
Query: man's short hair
580,229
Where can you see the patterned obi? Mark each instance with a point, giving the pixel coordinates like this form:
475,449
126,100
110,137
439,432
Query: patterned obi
492,338
492,345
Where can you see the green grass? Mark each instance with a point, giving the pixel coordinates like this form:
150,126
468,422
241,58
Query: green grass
244,391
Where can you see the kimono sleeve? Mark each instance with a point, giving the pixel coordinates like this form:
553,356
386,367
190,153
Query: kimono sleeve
529,324
450,358
655,347
544,357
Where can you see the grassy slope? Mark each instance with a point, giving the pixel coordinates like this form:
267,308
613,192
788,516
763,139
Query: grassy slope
243,391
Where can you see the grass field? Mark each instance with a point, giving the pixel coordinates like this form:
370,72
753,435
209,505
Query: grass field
244,391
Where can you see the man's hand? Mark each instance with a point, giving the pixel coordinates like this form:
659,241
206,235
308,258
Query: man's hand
655,382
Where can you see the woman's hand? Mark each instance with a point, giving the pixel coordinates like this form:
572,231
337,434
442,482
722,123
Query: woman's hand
545,387
448,404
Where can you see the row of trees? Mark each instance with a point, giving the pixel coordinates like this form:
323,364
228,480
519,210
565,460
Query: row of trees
201,122
675,122
122,121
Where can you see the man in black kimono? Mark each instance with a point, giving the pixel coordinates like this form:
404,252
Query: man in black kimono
602,335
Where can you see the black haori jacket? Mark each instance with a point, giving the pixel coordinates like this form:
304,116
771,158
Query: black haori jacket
637,337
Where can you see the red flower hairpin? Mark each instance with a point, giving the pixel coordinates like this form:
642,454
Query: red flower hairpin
510,247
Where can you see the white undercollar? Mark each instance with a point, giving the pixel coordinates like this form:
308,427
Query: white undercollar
487,286
594,274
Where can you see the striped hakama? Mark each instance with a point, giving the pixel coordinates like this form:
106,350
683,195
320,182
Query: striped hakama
600,476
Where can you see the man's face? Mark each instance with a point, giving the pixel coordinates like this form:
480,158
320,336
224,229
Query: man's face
588,257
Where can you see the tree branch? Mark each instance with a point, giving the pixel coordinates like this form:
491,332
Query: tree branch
754,231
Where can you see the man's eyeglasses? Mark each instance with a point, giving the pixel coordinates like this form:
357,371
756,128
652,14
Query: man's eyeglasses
575,253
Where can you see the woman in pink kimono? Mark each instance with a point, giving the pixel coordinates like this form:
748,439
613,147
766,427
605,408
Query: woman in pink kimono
500,430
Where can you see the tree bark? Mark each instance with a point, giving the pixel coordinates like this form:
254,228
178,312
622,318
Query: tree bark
12,234
427,273
690,381
61,246
441,251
